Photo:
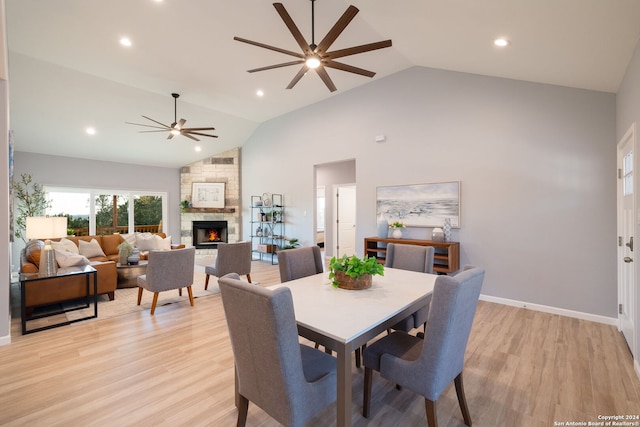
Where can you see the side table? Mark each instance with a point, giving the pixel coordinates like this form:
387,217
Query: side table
31,279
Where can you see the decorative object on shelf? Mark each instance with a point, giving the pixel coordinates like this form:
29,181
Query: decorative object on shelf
383,226
266,199
125,250
446,230
437,235
397,229
421,205
184,205
293,243
259,231
354,273
207,195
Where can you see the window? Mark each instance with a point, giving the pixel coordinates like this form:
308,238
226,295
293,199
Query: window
98,212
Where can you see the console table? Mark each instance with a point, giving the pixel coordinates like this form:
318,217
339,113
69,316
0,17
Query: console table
447,254
29,282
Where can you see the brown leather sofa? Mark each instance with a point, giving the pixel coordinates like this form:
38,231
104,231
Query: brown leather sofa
45,292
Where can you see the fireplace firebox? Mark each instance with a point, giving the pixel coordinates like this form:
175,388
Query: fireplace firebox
207,234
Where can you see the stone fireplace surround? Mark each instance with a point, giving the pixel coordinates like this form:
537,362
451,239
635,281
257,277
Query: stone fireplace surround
224,167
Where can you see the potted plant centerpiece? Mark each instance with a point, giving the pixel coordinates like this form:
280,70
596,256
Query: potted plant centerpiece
125,250
353,272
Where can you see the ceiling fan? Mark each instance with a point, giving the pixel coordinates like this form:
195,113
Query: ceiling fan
317,57
176,127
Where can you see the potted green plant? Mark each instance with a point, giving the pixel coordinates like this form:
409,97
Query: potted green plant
125,250
293,243
397,227
354,273
33,202
184,205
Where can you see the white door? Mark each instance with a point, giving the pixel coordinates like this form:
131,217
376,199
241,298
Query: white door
345,220
626,250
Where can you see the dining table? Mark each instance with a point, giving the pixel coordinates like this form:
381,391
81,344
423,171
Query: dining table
343,320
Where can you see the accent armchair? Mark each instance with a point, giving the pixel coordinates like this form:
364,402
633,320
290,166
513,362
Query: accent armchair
168,270
288,380
231,258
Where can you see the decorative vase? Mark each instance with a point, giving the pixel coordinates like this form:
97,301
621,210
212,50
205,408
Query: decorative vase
397,233
135,258
383,227
437,235
446,229
348,282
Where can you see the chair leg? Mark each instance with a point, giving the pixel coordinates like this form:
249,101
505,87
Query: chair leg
139,295
190,292
249,278
359,354
462,400
206,282
155,301
243,408
366,397
430,407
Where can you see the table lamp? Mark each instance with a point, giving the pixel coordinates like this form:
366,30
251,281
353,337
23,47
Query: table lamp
46,227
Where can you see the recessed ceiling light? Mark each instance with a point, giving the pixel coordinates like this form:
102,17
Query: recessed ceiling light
501,42
260,92
90,130
125,41
198,148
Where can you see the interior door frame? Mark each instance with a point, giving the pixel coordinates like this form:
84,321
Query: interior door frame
633,304
336,213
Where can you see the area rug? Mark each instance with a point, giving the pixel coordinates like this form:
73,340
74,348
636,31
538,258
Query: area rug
126,299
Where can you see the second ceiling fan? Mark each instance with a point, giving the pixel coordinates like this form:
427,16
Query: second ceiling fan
317,57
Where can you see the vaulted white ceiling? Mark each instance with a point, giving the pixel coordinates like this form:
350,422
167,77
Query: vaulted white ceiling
68,70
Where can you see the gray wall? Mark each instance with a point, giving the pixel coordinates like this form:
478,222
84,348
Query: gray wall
535,163
628,113
70,172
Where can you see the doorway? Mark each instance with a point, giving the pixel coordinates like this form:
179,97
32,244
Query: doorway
345,216
627,285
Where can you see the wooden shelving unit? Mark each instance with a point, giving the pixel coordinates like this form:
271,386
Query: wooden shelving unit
447,254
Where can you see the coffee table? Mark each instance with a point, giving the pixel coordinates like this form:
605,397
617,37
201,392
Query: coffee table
128,274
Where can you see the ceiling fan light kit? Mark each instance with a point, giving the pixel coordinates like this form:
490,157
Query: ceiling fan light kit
177,127
318,57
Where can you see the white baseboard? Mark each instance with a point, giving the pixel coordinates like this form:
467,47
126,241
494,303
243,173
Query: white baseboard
552,310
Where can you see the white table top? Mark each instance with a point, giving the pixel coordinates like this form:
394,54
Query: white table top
344,315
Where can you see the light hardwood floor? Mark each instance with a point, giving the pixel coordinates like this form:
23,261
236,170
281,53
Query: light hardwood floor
523,368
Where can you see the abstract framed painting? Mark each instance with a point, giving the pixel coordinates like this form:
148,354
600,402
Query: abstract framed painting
420,205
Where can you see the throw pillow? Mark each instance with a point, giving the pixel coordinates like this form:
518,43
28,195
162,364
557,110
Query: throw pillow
65,245
146,241
90,249
129,238
163,244
68,258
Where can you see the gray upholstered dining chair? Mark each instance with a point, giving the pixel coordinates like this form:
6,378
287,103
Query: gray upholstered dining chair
427,366
290,381
231,258
299,262
413,258
167,270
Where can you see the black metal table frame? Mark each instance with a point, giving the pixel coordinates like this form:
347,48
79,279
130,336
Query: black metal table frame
87,271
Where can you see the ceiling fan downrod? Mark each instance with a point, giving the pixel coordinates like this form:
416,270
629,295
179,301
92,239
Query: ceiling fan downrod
175,109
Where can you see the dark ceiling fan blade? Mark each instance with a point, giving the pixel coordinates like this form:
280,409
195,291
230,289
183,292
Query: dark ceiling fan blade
155,121
192,129
337,29
170,135
298,76
295,32
189,136
180,123
150,131
357,49
271,67
266,46
349,68
326,79
148,126
200,133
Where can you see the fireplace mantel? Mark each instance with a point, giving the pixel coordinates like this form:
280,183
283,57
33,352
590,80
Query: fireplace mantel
209,210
